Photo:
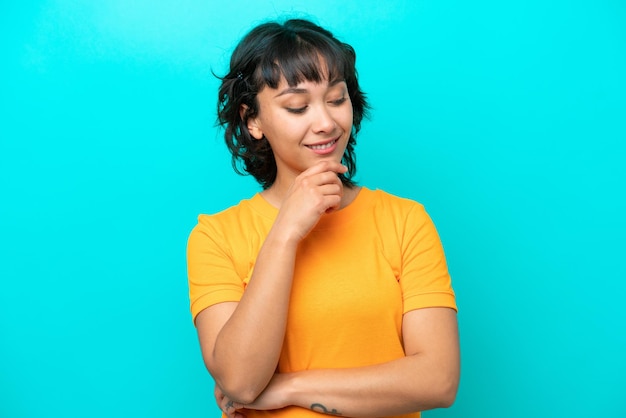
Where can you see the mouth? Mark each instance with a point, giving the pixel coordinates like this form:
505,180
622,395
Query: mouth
323,147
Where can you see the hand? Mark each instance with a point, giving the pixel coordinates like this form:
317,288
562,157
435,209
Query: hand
315,191
230,408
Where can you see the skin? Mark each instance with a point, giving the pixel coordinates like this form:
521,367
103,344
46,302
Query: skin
241,342
295,118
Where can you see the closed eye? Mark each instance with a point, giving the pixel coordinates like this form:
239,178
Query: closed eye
296,110
339,102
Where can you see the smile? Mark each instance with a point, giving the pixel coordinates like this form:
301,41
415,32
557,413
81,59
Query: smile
321,147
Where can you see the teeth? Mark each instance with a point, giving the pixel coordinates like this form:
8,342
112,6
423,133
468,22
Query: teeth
323,146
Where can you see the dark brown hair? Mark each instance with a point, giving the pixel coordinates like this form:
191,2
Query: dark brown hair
297,50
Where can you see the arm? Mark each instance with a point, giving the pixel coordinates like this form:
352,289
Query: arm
241,341
234,336
427,377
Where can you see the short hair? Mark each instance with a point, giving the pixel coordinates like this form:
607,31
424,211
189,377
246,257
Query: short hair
297,50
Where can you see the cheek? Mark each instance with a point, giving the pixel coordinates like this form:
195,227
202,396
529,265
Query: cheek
268,124
348,118
279,129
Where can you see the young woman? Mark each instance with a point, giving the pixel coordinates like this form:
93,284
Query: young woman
315,295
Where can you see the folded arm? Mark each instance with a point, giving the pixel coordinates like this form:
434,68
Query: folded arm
426,378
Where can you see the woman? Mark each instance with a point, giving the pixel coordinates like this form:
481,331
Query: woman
316,295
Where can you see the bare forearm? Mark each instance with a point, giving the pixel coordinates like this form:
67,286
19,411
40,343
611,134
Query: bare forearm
409,384
427,377
242,341
248,346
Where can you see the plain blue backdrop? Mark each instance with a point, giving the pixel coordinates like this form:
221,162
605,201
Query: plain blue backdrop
506,119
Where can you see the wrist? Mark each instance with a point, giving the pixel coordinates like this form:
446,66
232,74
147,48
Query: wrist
283,237
295,391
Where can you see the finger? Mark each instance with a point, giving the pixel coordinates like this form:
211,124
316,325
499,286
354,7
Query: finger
333,205
230,407
328,190
327,177
325,165
330,203
317,180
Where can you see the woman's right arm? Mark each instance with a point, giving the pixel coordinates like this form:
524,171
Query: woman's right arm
241,341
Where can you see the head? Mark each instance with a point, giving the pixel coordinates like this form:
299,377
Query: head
295,51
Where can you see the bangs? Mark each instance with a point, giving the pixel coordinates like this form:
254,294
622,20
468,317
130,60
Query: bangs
299,59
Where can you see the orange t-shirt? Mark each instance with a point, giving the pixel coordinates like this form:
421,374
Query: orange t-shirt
357,272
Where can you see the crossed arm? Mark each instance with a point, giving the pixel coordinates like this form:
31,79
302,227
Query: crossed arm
427,377
241,341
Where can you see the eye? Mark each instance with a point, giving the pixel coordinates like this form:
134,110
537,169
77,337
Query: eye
339,101
296,110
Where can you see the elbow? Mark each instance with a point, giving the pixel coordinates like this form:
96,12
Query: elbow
237,388
447,390
240,393
447,398
439,392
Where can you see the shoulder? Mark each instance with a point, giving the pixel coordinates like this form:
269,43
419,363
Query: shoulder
400,221
384,197
393,207
236,227
226,216
218,226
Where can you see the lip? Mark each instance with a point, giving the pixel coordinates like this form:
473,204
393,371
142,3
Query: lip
324,148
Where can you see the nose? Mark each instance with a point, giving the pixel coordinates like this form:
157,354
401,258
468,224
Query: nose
323,121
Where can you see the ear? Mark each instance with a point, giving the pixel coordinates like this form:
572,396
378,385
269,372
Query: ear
251,123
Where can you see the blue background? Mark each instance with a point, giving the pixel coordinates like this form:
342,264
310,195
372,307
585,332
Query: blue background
506,119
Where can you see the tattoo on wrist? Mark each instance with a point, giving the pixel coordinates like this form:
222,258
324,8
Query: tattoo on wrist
318,407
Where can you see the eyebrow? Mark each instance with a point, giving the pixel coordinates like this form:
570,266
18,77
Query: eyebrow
291,90
296,90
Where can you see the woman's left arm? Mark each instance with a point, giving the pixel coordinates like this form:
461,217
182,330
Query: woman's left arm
426,378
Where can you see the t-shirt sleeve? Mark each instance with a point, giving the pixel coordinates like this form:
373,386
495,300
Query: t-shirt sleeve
210,269
424,276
